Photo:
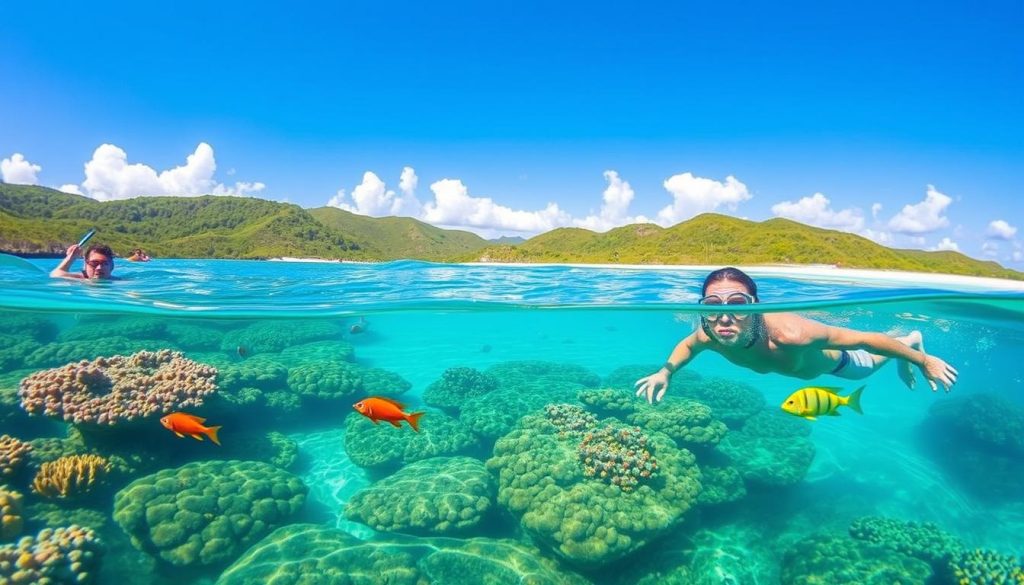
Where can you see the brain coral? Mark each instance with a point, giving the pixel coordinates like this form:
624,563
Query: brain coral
438,496
208,512
586,520
341,380
384,448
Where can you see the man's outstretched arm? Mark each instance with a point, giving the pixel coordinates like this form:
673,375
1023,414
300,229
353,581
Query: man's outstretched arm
655,385
61,271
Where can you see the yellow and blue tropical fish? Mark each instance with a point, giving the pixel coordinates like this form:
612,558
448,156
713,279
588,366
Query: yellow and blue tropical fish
815,401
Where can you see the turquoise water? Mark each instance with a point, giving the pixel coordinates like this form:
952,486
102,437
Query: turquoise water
492,489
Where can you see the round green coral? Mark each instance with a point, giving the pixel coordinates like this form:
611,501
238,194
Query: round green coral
437,496
689,422
985,567
840,560
609,401
207,513
625,377
456,386
732,402
342,381
587,521
275,336
333,350
924,541
768,460
384,448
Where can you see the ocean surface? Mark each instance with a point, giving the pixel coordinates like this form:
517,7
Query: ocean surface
534,461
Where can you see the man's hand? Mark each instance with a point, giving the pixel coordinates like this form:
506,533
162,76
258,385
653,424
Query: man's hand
656,382
73,251
936,370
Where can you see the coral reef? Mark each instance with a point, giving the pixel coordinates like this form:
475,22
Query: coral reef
194,336
11,514
625,377
317,352
275,336
985,567
34,327
208,512
722,485
13,454
88,329
71,477
689,422
108,391
587,521
456,386
770,449
986,419
62,555
262,371
292,553
516,374
840,560
384,448
616,455
608,401
434,497
571,420
924,541
63,352
343,381
732,402
15,349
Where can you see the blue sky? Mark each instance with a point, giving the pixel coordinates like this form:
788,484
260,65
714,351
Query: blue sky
895,120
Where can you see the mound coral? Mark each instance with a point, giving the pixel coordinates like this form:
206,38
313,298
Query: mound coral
11,514
297,552
771,449
383,448
89,329
109,391
986,419
732,402
689,422
840,560
625,377
617,455
609,401
208,512
438,496
63,555
53,354
13,454
317,352
71,477
342,381
263,372
985,567
721,485
456,386
924,541
586,520
275,336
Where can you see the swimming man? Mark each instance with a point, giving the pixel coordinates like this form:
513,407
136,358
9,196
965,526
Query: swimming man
788,344
99,263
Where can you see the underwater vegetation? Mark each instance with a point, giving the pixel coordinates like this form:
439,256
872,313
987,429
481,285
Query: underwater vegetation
521,472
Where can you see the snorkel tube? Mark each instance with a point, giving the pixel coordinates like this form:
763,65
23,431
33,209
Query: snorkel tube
86,237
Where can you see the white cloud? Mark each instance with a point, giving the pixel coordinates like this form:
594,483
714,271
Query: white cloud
924,217
372,197
454,207
1002,230
1018,252
408,204
880,237
693,195
817,210
990,249
71,188
109,176
18,171
947,245
875,209
615,207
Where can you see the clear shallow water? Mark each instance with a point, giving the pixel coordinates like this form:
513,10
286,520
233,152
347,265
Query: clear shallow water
539,331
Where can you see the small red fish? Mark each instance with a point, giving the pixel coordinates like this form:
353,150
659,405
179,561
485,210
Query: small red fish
377,408
188,424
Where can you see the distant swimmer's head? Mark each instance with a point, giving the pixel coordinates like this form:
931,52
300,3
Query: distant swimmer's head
729,287
99,262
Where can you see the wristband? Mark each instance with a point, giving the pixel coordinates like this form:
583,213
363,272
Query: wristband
671,369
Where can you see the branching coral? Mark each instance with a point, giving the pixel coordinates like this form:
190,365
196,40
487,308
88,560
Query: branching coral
619,456
71,477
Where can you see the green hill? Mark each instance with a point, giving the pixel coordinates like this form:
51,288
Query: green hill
37,220
712,239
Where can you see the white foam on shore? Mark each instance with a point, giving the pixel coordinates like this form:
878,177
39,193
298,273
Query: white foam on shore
819,272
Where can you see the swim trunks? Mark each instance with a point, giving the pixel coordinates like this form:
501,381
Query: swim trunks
855,364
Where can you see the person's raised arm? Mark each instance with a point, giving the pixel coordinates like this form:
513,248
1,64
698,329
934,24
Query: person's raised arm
655,385
61,271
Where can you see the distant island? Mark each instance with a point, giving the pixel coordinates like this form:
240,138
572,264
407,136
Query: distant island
37,221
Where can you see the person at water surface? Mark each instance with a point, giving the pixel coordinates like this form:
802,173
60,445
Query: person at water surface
99,263
785,343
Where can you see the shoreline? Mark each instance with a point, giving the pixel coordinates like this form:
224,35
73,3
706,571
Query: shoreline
819,271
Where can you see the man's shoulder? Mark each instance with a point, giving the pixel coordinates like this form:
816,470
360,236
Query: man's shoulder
788,328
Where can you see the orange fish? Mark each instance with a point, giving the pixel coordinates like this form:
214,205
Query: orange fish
188,424
377,409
